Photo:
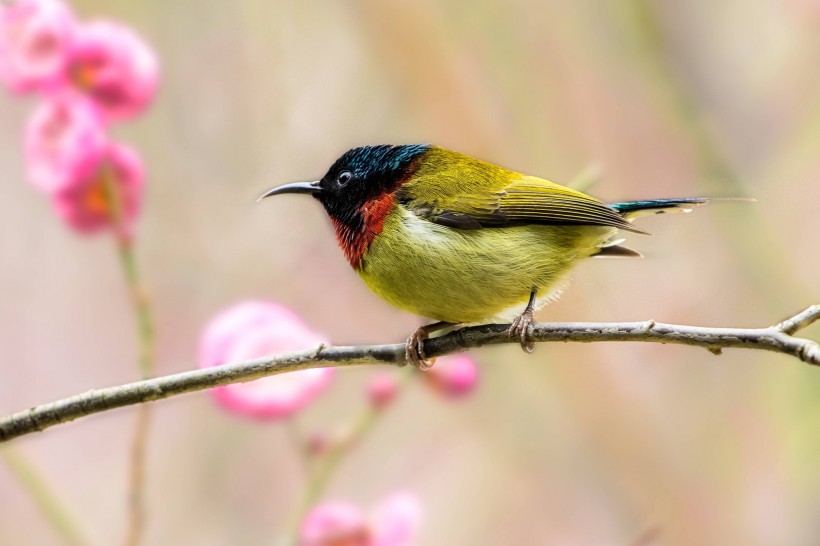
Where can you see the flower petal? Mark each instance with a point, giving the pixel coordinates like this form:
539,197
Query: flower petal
115,67
254,329
453,376
335,523
65,140
35,36
395,520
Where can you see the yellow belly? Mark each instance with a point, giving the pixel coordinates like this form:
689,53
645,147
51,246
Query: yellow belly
468,276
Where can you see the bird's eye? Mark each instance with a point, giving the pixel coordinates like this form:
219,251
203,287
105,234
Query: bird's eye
343,178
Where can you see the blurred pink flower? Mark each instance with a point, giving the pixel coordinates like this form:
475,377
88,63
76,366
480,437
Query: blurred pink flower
382,389
453,376
34,39
395,520
391,523
84,203
114,66
254,329
335,524
64,142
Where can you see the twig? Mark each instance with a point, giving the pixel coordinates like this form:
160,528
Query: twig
139,443
777,338
145,361
136,479
299,443
57,513
801,320
323,471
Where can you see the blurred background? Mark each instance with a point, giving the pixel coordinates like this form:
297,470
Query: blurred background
575,444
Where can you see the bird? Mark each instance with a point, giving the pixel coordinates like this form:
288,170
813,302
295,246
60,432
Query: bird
463,241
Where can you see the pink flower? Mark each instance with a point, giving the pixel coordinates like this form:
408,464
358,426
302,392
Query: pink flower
382,389
34,39
392,523
254,329
395,520
335,524
85,204
453,376
64,141
114,66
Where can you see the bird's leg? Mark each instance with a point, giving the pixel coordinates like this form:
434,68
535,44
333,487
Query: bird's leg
521,325
414,349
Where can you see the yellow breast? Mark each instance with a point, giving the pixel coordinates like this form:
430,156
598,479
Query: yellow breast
469,276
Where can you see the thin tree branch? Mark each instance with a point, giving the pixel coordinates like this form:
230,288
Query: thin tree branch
145,334
777,338
323,470
55,510
801,320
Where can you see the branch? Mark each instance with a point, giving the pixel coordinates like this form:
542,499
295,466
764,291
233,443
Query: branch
778,338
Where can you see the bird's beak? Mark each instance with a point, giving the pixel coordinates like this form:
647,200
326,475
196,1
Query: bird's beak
295,187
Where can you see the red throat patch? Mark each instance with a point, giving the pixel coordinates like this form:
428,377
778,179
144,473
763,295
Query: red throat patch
355,243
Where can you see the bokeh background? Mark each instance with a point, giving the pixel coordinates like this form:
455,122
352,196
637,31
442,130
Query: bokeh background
576,444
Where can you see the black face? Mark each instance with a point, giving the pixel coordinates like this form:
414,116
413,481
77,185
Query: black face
362,174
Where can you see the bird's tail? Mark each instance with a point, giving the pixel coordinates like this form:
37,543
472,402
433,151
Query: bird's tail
633,209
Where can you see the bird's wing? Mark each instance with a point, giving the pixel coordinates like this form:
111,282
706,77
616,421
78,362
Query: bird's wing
524,200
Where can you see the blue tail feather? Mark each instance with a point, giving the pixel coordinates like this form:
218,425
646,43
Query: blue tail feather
659,204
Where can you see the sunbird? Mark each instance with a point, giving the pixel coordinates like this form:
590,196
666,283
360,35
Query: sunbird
462,241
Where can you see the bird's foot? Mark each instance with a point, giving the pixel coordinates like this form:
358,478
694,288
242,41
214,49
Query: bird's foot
520,329
414,348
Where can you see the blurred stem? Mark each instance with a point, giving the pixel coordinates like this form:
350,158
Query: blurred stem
748,228
294,433
679,100
44,497
587,178
324,468
142,308
145,335
136,478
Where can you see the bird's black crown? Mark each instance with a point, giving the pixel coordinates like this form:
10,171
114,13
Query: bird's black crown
364,173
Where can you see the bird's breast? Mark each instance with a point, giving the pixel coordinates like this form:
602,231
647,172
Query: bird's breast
464,276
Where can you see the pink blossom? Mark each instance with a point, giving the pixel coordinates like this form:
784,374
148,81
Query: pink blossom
395,520
34,38
392,523
85,203
64,141
382,389
453,376
114,66
254,329
336,524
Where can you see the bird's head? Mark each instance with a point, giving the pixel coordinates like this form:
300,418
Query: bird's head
357,177
357,191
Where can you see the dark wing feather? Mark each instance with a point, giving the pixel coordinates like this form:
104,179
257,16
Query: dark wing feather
526,200
458,220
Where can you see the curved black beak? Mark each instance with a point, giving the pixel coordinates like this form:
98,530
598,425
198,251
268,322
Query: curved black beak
295,187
